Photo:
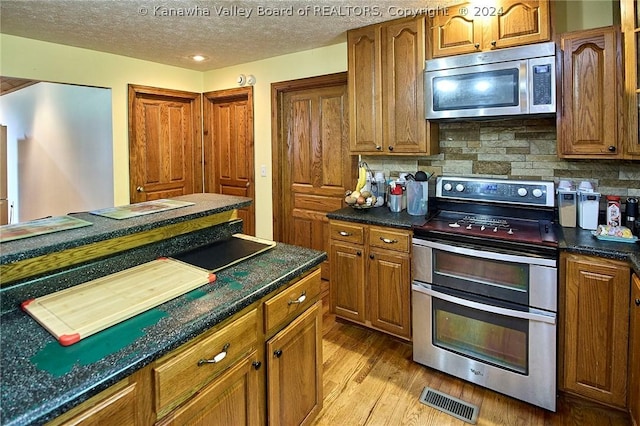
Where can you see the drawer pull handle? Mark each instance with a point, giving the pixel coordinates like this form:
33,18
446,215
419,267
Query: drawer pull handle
388,241
345,234
299,300
216,359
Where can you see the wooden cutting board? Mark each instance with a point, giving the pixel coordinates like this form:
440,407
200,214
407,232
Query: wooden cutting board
80,311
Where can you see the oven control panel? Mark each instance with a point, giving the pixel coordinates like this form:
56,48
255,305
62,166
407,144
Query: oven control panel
533,193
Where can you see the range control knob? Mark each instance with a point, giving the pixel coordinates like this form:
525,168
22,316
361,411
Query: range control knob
447,187
522,192
459,187
537,193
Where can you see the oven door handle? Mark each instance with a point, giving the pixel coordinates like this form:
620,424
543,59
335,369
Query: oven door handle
551,319
493,255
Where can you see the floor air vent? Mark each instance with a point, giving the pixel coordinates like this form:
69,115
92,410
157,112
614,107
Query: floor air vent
450,405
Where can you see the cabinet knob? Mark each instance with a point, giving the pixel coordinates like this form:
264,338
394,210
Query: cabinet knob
378,147
140,189
256,365
390,148
637,302
612,148
344,233
277,353
493,43
358,253
477,45
371,256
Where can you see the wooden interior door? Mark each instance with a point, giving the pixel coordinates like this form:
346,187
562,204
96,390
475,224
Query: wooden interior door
228,147
164,143
312,165
4,198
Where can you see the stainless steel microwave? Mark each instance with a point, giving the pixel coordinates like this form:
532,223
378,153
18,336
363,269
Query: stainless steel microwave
512,81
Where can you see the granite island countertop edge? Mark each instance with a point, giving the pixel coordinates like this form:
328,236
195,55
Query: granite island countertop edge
103,228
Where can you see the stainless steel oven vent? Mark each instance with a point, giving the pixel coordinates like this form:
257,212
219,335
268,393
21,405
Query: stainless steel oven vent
450,405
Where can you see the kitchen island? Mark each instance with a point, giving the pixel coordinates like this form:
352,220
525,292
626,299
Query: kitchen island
42,379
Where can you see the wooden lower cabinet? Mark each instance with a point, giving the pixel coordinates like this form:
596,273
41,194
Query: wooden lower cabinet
232,399
634,351
117,405
230,374
370,276
595,302
294,370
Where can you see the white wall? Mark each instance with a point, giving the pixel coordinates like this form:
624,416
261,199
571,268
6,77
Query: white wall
59,149
37,60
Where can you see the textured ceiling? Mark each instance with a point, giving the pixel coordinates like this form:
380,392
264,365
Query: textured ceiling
226,32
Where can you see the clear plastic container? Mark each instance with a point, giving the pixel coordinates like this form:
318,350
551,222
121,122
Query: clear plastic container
417,198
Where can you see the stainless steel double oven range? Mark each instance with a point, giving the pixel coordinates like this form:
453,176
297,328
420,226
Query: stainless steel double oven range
484,290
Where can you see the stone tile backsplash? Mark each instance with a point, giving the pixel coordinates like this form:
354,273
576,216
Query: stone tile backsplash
514,149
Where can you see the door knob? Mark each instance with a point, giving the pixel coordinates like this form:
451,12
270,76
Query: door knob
140,189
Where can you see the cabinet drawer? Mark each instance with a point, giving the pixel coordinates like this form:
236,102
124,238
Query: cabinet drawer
352,233
183,374
285,306
389,239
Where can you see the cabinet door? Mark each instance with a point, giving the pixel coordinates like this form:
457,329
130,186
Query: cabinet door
590,94
404,124
365,101
596,329
630,20
456,32
516,22
634,352
230,400
347,281
389,291
117,405
294,370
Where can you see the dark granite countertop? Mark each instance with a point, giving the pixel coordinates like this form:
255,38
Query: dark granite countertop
104,228
575,240
578,240
378,216
41,379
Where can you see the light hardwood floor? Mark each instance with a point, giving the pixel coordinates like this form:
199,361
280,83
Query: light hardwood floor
371,379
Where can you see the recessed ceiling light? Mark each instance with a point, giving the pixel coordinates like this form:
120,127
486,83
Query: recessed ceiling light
199,58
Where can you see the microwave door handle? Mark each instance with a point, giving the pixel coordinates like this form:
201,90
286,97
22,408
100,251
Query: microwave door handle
487,308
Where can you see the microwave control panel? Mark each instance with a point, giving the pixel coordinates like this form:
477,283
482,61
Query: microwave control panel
541,81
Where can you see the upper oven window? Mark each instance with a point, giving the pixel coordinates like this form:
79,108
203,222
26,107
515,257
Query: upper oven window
498,279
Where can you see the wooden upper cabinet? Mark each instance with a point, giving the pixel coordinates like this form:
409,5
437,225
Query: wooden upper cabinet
589,124
630,19
472,27
365,103
386,89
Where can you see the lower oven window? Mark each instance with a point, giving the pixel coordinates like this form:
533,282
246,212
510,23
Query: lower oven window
487,337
